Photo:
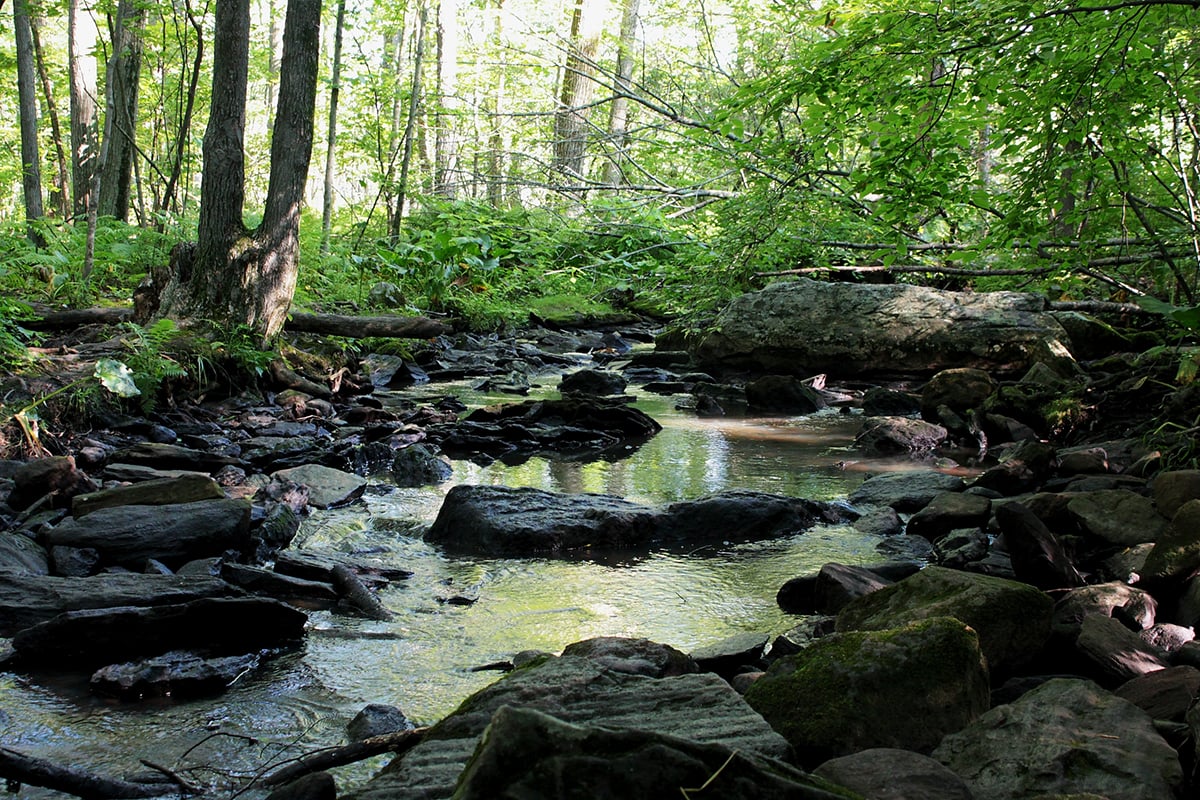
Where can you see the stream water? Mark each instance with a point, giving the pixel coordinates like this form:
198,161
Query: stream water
421,660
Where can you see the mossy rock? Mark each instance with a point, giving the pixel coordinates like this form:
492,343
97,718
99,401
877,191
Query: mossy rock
1012,618
1176,554
574,310
904,687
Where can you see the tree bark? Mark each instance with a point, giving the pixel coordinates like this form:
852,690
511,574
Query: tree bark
59,199
85,139
360,327
168,202
618,114
31,164
118,150
21,768
398,742
500,140
446,144
410,125
331,138
570,120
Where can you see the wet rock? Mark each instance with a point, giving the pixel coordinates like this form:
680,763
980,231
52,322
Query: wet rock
1118,516
171,457
879,522
107,635
949,511
732,655
275,453
128,535
960,390
882,773
186,488
74,562
901,687
1066,737
905,491
883,402
327,487
257,580
377,719
830,590
782,394
417,465
1011,618
858,329
180,675
594,382
634,656
892,435
961,547
525,753
314,786
1022,468
388,371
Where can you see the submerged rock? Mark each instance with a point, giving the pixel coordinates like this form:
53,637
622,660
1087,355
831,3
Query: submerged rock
179,674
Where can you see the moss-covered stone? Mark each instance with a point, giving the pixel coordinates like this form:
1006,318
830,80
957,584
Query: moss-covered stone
904,687
1176,554
1011,618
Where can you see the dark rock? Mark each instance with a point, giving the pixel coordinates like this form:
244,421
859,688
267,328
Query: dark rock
1174,488
892,435
949,511
960,390
594,382
882,773
1165,694
180,675
634,656
1021,469
1176,554
74,562
782,394
1105,599
959,548
837,585
171,457
128,535
56,476
258,580
387,371
882,402
905,491
902,687
20,553
1086,461
377,719
1038,557
880,522
417,465
1112,653
186,488
1119,516
314,786
1059,740
1166,637
327,487
530,755
732,655
107,635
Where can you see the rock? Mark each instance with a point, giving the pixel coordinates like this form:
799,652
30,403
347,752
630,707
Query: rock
949,511
1011,618
593,381
1134,606
701,707
55,476
851,329
1165,694
186,488
905,491
26,600
258,580
880,522
327,487
961,389
274,453
901,687
19,553
782,394
733,655
1117,516
172,457
1166,637
1091,338
882,773
180,675
388,371
1038,557
1065,737
530,755
634,656
314,786
961,547
882,402
1113,654
417,465
1174,488
128,535
892,435
834,586
1021,469
74,562
1088,461
107,635
1176,554
377,719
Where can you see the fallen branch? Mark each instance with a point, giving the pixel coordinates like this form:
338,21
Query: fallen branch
361,327
356,594
20,768
318,760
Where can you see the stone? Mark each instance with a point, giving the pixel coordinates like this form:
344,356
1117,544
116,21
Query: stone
837,585
174,533
1117,516
961,547
418,465
1165,694
74,562
960,389
593,381
1176,554
257,580
949,511
327,487
171,457
885,773
782,394
906,491
56,476
880,522
1038,557
1011,618
634,656
851,329
377,719
314,786
900,687
1022,468
1087,461
883,402
1133,605
186,488
732,655
893,435
1113,654
1174,488
1066,737
20,553
179,675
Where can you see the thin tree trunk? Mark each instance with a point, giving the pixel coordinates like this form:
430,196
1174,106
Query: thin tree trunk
570,120
410,126
120,119
184,134
31,164
446,146
85,140
392,66
278,13
499,141
331,138
618,115
59,199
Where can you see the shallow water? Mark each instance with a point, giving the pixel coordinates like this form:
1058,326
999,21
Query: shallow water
421,661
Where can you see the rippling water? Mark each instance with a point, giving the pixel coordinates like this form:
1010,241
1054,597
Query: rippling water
421,660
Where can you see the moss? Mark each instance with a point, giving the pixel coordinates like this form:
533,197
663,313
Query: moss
567,309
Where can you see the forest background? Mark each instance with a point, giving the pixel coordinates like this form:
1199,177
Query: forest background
485,158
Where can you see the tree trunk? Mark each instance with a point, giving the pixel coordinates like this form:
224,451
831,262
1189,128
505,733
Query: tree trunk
410,126
59,199
570,118
235,276
31,164
331,139
500,140
184,135
85,140
118,150
278,10
618,115
446,145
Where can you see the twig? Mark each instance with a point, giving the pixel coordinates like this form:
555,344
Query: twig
318,760
21,768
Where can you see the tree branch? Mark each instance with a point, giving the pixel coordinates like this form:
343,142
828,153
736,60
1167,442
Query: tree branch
318,760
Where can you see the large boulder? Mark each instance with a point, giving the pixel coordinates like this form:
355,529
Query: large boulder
903,687
1011,618
806,326
1067,737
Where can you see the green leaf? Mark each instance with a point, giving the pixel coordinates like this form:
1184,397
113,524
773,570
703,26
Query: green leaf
116,377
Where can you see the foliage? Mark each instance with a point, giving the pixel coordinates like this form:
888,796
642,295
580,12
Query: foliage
14,339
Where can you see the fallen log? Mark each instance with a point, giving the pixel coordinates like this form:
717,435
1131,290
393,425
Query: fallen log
398,742
52,319
19,768
357,596
395,327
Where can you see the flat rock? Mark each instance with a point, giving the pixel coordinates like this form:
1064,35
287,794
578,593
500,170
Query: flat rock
185,488
1118,516
884,773
179,675
907,491
327,487
19,553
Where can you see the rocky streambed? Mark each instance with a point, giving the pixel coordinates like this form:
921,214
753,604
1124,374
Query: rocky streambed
1024,627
